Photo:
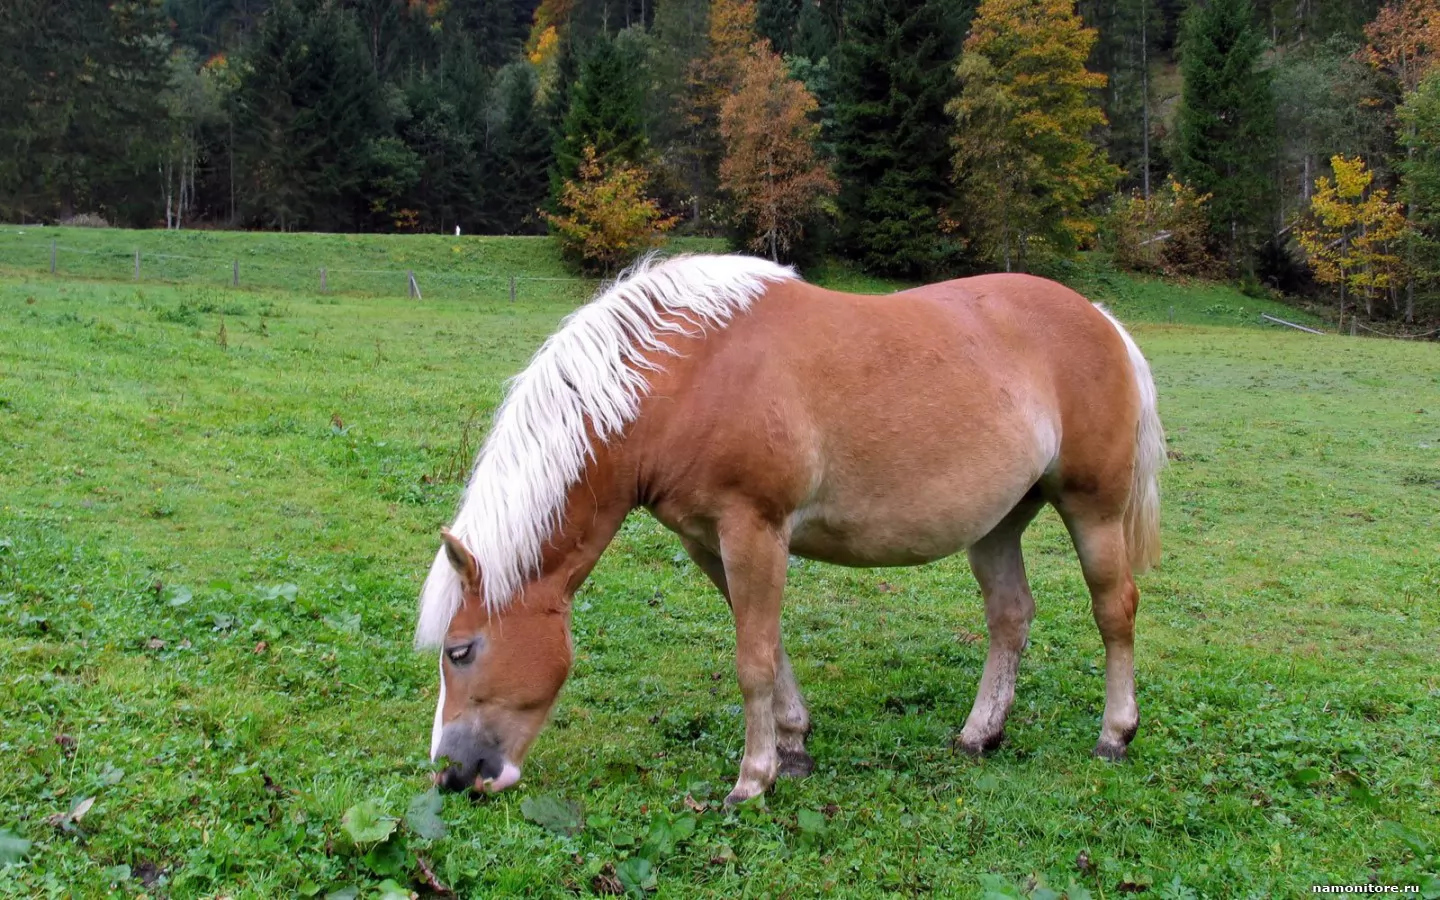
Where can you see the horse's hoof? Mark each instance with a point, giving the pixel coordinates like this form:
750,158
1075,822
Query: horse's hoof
796,764
737,797
1110,751
978,748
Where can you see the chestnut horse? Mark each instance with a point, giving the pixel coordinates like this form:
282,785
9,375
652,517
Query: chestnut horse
758,416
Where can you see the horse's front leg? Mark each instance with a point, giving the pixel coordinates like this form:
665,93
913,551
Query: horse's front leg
754,553
792,718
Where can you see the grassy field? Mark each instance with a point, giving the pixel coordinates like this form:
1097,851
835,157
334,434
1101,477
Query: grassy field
216,507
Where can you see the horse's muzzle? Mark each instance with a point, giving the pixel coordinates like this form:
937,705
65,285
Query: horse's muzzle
476,761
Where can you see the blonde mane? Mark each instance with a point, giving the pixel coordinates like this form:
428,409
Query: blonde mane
591,371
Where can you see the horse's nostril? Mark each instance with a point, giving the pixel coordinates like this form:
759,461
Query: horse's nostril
452,779
491,765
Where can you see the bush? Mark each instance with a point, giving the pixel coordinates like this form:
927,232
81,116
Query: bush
1167,234
606,220
86,220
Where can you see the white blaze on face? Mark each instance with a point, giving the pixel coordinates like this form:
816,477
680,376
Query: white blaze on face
439,713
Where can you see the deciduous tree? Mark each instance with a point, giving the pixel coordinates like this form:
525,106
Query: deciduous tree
605,219
1024,117
1353,238
770,168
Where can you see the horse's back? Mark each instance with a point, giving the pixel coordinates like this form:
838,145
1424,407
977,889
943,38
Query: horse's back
889,429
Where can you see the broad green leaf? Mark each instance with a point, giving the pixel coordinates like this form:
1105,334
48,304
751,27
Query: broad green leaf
637,876
180,595
389,858
1307,776
423,816
389,890
117,873
554,814
12,847
1429,887
811,822
1076,892
344,893
1409,838
365,825
345,623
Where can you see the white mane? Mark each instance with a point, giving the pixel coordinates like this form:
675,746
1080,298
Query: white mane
590,371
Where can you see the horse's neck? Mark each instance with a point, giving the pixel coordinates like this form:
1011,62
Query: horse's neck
595,509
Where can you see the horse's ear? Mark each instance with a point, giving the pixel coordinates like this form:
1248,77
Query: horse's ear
464,562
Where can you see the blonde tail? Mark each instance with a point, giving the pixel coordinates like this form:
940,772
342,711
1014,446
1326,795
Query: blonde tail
1142,516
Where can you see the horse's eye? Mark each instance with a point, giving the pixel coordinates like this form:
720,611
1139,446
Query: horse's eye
460,655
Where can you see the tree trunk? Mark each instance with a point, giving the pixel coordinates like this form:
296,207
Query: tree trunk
1145,98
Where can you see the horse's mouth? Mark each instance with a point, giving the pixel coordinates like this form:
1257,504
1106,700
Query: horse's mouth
508,777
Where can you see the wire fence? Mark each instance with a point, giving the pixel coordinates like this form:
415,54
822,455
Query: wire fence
49,255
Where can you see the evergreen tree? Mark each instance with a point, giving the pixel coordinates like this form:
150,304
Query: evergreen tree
520,150
894,75
1025,114
445,128
814,37
776,21
82,117
1225,137
1420,118
308,117
604,112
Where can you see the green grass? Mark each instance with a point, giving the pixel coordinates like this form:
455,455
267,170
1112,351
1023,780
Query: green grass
209,557
467,267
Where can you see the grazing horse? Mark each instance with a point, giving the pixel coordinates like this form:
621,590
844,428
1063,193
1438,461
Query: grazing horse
758,416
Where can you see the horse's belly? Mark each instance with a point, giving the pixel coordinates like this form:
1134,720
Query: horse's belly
889,534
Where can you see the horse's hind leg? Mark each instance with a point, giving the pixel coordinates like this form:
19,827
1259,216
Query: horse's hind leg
1100,542
999,567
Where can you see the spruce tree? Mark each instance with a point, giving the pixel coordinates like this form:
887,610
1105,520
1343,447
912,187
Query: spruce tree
308,119
1225,138
894,75
604,112
521,153
776,20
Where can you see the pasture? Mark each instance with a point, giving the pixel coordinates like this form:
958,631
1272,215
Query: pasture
217,505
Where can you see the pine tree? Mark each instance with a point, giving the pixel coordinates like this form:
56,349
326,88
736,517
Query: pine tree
82,120
894,75
1226,124
1024,116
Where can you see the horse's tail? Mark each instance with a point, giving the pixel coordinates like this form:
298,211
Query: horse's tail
1142,515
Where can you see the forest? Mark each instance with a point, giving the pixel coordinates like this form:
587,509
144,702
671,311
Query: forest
1291,144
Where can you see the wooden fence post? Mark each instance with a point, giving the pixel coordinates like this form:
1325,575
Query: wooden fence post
52,256
323,287
235,273
512,288
137,263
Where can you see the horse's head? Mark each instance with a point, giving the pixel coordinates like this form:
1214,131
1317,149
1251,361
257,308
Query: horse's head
500,672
